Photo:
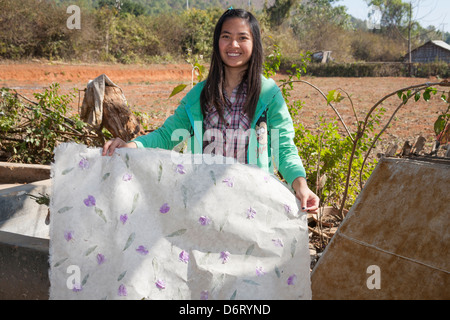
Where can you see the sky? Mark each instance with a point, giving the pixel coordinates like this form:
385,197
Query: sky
426,12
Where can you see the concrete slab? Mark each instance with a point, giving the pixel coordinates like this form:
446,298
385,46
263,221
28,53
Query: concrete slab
23,173
21,214
24,242
394,242
23,267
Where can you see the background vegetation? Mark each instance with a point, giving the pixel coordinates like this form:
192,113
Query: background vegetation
142,31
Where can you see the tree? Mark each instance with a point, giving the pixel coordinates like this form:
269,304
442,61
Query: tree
397,20
322,11
278,12
395,13
319,25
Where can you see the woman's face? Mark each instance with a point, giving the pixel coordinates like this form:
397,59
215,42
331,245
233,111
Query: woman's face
236,43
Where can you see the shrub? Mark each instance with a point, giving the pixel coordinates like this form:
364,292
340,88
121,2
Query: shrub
372,69
327,152
30,131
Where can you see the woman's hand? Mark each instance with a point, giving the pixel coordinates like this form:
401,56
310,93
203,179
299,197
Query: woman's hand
111,145
308,199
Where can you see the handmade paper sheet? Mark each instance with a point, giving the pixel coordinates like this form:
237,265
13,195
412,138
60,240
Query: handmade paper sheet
154,224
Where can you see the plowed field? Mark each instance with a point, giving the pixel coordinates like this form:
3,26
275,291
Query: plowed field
147,88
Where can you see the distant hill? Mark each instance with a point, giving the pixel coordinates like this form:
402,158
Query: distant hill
158,6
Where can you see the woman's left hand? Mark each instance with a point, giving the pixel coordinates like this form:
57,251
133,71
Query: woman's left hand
308,199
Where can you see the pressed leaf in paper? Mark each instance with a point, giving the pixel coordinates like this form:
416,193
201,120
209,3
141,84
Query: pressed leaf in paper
160,171
60,262
177,233
293,246
250,250
129,241
90,250
135,202
66,171
100,213
64,209
121,276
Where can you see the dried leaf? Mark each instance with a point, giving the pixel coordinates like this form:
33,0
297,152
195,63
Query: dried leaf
135,202
293,246
277,272
129,241
64,209
121,276
251,282
250,250
89,251
127,160
67,171
60,262
84,280
100,213
160,170
213,176
177,233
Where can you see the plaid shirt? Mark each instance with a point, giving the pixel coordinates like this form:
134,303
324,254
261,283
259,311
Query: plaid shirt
234,128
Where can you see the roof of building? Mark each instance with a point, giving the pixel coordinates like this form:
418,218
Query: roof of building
438,43
441,44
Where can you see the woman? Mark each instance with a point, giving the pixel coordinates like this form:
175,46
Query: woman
235,112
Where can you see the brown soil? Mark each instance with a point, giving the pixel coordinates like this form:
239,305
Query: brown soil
147,88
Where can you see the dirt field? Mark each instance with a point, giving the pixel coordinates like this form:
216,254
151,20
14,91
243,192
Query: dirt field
147,89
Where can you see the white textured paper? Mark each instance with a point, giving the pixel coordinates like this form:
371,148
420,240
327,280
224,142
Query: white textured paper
145,224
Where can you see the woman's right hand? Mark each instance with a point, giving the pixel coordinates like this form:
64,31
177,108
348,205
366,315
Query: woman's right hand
111,145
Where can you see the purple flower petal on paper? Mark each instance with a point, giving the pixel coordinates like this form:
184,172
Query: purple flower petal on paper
204,295
83,164
123,218
89,201
100,259
164,208
287,208
160,284
224,255
77,287
291,280
184,256
251,213
229,182
180,169
278,242
127,177
142,250
122,291
259,271
68,235
204,220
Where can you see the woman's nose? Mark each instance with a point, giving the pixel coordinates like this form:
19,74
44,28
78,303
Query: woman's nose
234,43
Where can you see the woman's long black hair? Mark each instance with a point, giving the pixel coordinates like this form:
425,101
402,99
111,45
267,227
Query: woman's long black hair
213,91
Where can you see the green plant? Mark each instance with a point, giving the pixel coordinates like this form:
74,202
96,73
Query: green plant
198,70
326,151
443,119
333,160
31,130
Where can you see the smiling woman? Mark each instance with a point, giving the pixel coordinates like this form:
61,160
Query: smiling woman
235,46
236,112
